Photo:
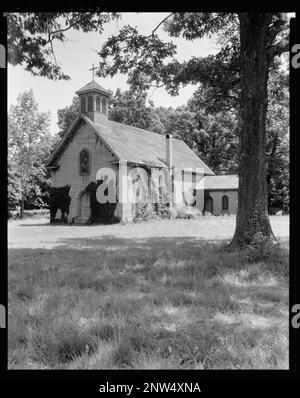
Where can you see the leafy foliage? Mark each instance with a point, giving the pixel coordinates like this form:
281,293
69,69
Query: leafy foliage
211,136
31,38
130,107
29,146
148,60
13,189
278,142
67,115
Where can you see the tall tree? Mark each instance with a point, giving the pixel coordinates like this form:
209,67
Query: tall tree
67,115
212,102
243,61
130,107
257,35
211,135
29,144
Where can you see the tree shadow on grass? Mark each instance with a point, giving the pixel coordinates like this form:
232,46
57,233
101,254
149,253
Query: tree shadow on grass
108,242
115,252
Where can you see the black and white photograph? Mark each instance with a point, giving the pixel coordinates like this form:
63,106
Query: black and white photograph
148,191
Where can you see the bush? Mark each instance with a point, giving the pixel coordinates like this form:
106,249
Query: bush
188,212
28,213
162,210
143,212
36,212
146,211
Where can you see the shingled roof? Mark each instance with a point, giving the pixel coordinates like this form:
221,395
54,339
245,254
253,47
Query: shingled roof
221,182
92,86
139,146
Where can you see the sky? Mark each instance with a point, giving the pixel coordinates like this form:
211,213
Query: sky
77,54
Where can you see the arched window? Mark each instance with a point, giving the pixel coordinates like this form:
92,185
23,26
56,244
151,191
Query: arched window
90,103
104,105
98,103
84,162
83,105
225,203
208,205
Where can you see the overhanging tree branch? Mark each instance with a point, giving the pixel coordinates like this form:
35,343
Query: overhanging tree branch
60,31
161,22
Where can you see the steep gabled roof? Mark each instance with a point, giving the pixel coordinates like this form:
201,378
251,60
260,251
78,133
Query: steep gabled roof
92,86
221,182
138,146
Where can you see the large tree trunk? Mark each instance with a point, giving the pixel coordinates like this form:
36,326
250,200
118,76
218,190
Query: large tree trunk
252,213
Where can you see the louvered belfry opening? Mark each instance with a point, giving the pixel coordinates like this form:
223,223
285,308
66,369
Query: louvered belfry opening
93,100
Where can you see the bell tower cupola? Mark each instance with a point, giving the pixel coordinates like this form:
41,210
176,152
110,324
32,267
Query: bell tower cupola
93,101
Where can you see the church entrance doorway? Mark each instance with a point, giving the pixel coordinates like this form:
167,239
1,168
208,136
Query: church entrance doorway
84,207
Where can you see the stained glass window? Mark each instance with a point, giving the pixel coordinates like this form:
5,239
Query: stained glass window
84,162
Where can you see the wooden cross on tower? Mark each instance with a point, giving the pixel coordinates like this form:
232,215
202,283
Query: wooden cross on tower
93,71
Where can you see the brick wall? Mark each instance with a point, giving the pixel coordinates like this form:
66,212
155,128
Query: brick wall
217,201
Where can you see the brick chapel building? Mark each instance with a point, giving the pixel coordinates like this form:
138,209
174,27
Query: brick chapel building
127,156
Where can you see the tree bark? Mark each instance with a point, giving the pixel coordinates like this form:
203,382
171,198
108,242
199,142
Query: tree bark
252,212
271,167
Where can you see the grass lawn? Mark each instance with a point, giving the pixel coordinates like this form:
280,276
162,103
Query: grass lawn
157,295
